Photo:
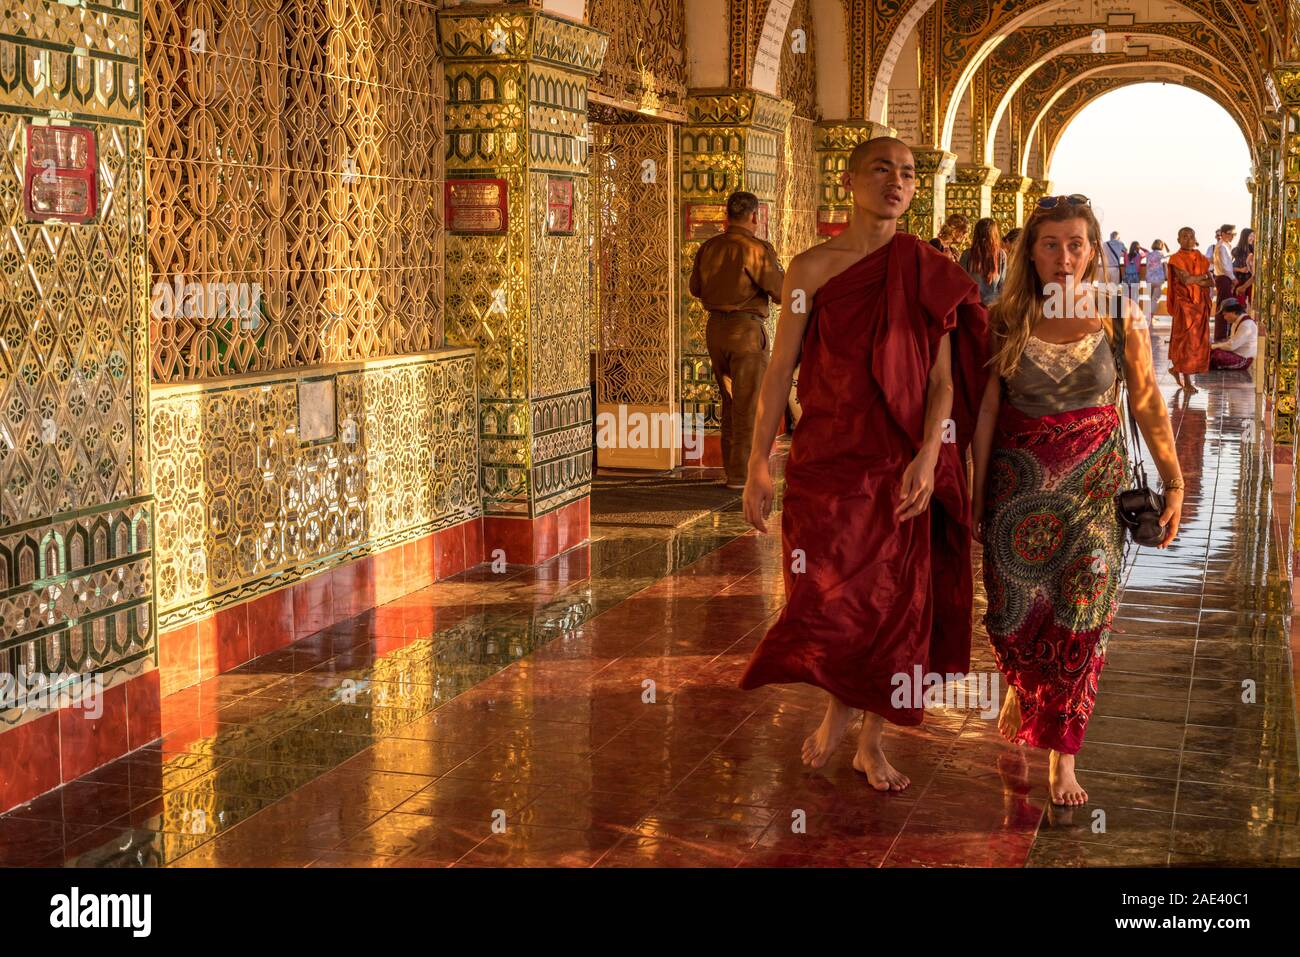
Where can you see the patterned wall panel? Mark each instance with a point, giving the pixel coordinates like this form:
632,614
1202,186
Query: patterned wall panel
245,506
645,64
637,258
75,533
295,145
798,77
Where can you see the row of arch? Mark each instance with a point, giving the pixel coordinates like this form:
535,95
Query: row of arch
1212,45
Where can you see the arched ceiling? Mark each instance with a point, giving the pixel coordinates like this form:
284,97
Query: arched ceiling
1025,52
972,32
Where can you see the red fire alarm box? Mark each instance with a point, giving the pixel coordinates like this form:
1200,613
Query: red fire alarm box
59,176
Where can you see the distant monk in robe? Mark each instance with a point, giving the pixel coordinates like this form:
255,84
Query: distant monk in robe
875,526
1190,287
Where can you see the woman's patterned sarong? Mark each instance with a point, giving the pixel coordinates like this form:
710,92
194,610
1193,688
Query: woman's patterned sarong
1053,554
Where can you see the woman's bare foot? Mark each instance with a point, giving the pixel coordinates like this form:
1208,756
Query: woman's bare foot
1009,716
821,744
1061,782
870,758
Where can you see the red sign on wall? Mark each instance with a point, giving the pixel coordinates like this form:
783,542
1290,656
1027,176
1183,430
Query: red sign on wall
475,205
559,206
708,219
832,222
59,176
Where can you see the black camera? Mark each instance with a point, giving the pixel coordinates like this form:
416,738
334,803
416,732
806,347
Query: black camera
1139,511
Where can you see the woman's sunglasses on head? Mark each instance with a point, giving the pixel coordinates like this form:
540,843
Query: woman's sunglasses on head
1074,199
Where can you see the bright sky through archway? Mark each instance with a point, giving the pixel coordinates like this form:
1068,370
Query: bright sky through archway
1153,157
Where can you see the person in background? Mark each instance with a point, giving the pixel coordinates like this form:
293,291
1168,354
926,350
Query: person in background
1223,276
952,235
1243,267
1009,241
1134,267
986,260
1239,349
1209,250
1113,258
1155,275
735,276
1191,285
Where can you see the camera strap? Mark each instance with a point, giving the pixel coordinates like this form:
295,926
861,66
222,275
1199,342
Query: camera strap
1134,436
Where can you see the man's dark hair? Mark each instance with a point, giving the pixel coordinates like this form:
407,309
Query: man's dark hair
741,205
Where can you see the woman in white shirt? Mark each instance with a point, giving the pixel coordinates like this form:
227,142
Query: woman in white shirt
1238,350
1155,274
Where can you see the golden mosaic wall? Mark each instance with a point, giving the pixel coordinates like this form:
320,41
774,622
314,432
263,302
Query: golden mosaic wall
75,590
295,144
245,505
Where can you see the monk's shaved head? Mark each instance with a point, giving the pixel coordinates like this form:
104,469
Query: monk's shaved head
865,150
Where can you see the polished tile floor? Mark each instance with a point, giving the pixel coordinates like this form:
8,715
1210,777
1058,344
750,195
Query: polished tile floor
585,712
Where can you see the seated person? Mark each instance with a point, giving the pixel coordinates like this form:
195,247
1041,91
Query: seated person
1238,350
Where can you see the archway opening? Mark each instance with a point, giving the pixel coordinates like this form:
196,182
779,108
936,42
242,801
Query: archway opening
1154,157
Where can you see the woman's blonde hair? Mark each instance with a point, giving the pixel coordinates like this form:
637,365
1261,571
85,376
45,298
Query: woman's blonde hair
1020,305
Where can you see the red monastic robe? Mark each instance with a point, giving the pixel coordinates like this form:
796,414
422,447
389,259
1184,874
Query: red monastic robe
868,597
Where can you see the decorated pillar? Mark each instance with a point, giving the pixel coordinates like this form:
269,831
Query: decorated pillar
1287,315
926,214
1036,190
834,141
1009,201
971,191
732,140
77,620
517,282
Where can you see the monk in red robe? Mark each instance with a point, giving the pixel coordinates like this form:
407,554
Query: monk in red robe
1190,287
875,525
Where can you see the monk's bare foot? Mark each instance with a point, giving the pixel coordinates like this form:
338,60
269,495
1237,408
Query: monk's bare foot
1061,782
1009,716
1191,386
870,757
821,744
881,775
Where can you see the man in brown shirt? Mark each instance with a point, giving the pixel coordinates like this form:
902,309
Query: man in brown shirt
735,275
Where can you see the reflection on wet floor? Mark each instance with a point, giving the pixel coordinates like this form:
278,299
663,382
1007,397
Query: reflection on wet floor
586,712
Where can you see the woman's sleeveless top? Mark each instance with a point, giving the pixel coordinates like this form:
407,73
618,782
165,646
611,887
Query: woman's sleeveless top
1053,378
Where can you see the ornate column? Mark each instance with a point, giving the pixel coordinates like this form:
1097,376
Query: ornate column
971,191
77,576
1009,201
517,283
1037,189
929,207
1287,230
731,141
833,142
